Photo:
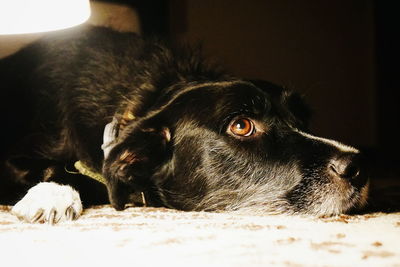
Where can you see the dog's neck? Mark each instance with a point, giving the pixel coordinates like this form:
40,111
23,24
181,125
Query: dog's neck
110,135
112,129
137,198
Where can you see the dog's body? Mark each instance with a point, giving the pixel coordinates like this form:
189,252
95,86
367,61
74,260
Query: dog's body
185,134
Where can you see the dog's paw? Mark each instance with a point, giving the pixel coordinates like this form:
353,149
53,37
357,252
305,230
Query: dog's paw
49,203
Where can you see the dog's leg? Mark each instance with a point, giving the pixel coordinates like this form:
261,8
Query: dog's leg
48,202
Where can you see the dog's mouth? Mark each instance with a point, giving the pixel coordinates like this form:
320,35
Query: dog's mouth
361,199
353,203
335,197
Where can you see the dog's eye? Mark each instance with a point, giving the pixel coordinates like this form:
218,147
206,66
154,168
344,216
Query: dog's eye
242,127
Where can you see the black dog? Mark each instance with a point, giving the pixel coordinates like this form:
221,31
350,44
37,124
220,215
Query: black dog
180,132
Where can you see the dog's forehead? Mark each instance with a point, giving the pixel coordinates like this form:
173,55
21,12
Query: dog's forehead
213,103
230,96
243,98
216,103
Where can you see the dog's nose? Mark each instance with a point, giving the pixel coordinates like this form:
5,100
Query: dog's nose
346,166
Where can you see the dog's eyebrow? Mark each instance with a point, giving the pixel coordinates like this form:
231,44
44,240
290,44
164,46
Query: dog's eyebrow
197,86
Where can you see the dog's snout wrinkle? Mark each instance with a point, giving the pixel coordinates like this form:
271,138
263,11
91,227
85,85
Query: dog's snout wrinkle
346,166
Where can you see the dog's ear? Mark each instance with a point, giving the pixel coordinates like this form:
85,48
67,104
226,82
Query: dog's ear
142,147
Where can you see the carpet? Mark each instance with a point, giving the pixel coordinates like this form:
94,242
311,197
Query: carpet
164,237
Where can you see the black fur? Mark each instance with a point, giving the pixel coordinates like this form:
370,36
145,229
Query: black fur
59,93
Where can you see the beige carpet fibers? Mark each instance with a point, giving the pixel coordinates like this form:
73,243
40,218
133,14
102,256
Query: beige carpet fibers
162,237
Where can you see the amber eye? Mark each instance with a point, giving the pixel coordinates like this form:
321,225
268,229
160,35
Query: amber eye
242,127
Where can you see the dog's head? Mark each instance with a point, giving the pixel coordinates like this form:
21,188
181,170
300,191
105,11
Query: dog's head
234,145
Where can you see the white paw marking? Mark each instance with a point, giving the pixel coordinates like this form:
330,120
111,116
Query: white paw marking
49,203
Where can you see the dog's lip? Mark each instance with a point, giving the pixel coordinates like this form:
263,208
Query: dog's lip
360,199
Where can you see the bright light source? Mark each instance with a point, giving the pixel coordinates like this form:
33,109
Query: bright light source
29,16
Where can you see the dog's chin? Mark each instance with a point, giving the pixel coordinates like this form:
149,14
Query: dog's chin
330,205
335,203
334,199
329,200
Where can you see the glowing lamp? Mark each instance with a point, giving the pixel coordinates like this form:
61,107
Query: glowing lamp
30,16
